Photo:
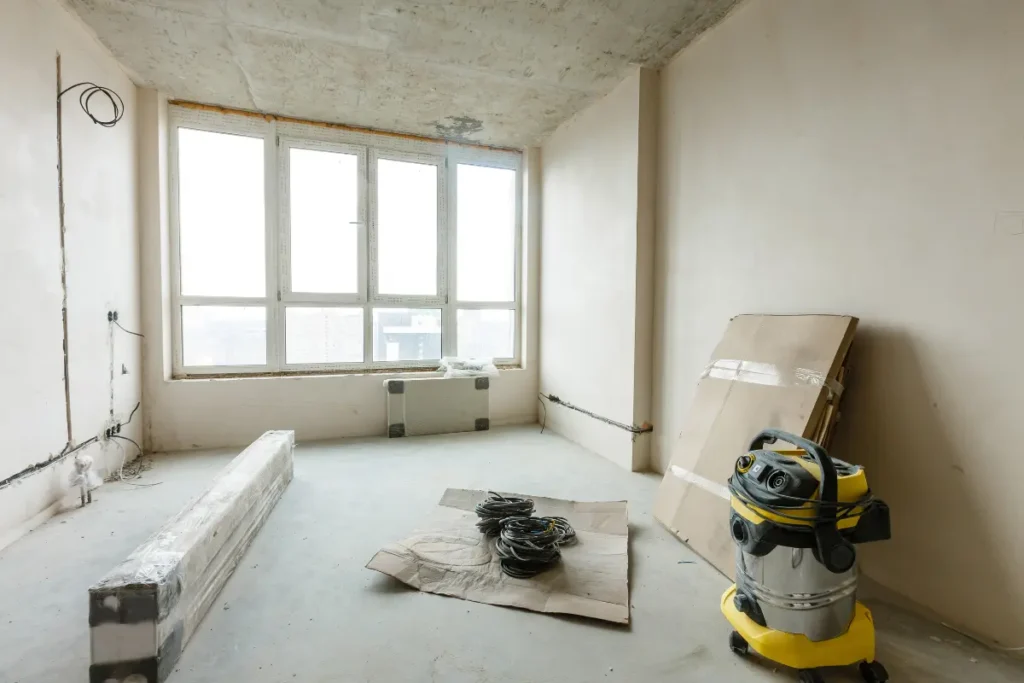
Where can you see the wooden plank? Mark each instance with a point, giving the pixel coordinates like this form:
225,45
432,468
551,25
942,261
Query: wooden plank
142,613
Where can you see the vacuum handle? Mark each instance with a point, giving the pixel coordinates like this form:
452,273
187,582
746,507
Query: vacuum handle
837,554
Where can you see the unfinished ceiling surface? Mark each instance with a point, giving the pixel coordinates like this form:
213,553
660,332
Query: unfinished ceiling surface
501,72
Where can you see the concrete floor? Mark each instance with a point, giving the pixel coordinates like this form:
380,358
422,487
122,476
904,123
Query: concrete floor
301,607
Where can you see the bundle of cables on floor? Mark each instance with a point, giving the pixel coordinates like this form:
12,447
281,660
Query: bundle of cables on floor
497,508
526,545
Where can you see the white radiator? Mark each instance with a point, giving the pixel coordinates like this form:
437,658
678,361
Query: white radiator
438,405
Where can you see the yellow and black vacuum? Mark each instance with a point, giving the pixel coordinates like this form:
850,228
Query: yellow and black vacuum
796,519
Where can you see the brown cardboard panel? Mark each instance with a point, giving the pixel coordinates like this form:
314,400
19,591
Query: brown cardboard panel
792,354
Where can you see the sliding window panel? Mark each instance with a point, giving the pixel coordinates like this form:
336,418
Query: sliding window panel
221,214
486,333
411,335
323,335
485,214
223,336
323,215
408,238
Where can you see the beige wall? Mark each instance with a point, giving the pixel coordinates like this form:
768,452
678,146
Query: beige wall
595,269
868,158
101,255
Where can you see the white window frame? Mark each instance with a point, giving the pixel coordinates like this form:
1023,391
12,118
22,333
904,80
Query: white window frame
279,138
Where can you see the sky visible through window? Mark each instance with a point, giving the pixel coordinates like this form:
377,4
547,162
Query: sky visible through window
222,242
324,204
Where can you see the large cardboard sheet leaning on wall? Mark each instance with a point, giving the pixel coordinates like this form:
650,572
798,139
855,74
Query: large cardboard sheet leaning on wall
449,556
767,371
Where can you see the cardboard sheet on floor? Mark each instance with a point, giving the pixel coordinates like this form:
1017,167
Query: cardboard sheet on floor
767,371
449,556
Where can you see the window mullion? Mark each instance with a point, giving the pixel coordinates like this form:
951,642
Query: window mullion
449,333
275,316
370,269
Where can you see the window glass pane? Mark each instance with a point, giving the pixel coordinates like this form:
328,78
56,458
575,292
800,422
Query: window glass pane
324,205
323,335
486,334
486,240
406,228
406,334
224,335
221,214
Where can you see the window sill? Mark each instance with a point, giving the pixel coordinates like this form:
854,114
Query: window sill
288,374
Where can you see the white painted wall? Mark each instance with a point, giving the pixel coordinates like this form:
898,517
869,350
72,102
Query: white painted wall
595,270
867,158
206,413
102,257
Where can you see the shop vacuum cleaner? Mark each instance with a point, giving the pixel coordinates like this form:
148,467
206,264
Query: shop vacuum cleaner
796,519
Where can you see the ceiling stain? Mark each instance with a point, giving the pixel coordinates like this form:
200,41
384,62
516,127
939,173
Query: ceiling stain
459,128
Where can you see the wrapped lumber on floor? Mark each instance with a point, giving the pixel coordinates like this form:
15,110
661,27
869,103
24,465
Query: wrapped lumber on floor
143,612
780,371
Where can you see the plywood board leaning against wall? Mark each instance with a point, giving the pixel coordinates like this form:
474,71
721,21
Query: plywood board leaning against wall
776,371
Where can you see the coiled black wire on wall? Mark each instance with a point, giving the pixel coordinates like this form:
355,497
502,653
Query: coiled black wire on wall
85,99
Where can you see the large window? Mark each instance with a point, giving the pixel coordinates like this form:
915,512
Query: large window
306,248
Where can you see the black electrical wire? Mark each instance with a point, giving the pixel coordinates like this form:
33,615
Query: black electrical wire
131,441
544,420
844,510
32,469
85,100
137,334
132,414
562,526
528,546
497,508
124,456
634,429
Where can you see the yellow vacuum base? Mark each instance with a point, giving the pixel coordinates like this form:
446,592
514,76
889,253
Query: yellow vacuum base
796,650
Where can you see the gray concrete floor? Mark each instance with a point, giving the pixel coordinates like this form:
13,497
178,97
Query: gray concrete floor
301,606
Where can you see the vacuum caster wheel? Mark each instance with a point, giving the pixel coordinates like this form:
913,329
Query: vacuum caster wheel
873,672
811,676
737,644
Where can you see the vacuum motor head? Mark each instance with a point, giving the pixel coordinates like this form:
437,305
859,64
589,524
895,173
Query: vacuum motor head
803,498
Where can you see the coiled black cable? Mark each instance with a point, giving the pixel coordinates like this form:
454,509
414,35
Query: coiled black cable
562,526
85,99
528,546
844,510
497,508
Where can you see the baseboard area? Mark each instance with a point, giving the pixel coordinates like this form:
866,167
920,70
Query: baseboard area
29,502
10,535
868,589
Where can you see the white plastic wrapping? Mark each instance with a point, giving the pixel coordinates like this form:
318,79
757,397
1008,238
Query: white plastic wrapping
770,374
166,586
468,367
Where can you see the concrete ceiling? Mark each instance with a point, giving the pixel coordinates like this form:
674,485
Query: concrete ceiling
500,72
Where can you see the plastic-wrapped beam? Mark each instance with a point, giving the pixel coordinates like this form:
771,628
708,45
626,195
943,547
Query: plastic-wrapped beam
143,612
